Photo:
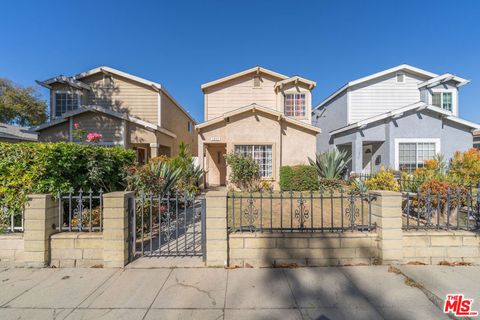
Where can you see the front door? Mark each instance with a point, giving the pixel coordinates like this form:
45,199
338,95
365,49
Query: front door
367,159
216,166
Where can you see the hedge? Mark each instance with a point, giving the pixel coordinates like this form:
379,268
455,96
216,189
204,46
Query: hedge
298,178
27,168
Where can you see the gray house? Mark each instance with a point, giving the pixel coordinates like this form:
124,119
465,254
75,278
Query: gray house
396,118
9,133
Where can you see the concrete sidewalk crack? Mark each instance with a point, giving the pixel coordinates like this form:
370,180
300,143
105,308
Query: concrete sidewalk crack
198,289
433,298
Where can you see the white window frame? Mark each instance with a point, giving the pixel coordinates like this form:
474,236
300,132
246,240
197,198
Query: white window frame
253,145
442,91
414,140
54,100
396,77
294,104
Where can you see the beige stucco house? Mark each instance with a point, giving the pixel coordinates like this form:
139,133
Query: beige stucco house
259,113
127,110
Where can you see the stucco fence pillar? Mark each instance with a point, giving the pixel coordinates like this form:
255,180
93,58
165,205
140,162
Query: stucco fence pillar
41,219
387,214
216,229
41,222
116,206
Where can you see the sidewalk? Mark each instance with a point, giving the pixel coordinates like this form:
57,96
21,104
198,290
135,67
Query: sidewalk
369,292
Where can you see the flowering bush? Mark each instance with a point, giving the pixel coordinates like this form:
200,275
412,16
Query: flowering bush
465,167
438,190
27,168
79,134
94,137
383,180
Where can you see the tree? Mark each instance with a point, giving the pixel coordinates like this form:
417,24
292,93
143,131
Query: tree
21,105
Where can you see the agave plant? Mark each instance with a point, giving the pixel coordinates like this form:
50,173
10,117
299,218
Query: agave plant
156,178
331,165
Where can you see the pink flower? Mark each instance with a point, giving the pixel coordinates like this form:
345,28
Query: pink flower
76,125
94,137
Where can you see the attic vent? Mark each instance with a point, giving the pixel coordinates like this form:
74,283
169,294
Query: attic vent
107,80
256,82
400,77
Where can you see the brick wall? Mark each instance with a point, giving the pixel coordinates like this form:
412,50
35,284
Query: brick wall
11,249
302,249
76,249
433,247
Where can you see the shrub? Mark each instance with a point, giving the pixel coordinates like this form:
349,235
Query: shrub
157,178
465,167
438,191
383,180
244,171
298,178
190,173
27,168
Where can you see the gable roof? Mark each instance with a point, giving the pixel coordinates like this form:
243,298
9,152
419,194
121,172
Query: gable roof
418,106
75,81
435,81
296,79
16,133
402,67
106,111
256,69
254,107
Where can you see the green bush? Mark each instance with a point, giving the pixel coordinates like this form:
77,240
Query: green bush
244,171
27,168
156,178
190,174
298,178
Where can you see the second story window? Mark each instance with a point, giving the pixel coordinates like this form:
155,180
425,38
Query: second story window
66,101
189,126
443,100
295,105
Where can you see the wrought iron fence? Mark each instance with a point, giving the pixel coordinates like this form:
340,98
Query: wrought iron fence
447,209
81,211
408,184
169,225
299,212
11,222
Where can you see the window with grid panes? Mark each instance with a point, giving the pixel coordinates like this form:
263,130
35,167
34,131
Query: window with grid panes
443,100
66,101
294,105
262,154
413,155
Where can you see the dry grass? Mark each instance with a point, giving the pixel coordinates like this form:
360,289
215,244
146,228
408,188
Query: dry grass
330,212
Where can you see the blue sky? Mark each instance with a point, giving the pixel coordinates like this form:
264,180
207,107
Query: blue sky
183,44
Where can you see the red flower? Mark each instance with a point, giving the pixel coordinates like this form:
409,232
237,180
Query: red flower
94,137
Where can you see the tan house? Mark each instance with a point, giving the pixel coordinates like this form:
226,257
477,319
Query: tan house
259,113
127,110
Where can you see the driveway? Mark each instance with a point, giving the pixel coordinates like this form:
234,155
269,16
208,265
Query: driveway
370,292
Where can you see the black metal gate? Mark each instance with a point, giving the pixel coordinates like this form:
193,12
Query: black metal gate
168,225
